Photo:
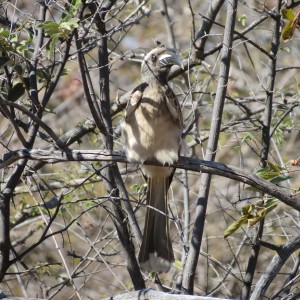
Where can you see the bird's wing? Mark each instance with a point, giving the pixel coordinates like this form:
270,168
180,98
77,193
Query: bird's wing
174,107
135,99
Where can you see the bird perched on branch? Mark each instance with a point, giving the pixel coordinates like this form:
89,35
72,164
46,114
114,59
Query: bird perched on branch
152,130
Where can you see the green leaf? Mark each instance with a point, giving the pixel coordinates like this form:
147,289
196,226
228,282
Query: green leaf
50,27
77,3
70,24
266,174
274,167
242,19
248,137
16,92
178,265
270,202
72,9
288,13
139,187
52,44
43,76
280,178
152,275
4,33
14,39
52,111
288,31
4,60
235,226
65,72
286,49
30,36
271,207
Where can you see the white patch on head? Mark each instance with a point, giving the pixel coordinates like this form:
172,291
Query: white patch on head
155,51
148,56
164,56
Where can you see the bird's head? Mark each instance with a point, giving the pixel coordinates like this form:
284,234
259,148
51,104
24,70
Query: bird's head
158,62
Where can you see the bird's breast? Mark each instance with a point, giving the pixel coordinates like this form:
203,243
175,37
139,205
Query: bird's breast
151,132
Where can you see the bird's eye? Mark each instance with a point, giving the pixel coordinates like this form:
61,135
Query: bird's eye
153,57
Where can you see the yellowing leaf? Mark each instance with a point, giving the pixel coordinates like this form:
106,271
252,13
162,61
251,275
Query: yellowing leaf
254,220
288,13
288,32
274,167
235,226
289,28
246,210
262,212
178,265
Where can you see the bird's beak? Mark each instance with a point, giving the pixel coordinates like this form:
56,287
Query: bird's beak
169,59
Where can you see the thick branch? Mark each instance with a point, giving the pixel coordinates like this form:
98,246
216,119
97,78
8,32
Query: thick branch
7,191
284,252
149,294
197,165
114,182
189,271
207,24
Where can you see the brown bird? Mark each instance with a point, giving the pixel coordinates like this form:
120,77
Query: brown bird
152,130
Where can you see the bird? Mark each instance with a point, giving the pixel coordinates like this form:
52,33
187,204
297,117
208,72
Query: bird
152,130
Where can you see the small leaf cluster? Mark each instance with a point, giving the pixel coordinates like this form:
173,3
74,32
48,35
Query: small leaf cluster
15,42
57,31
251,213
273,173
61,30
16,48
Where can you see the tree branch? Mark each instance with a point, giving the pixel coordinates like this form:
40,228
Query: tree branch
114,181
274,267
207,24
149,294
266,138
189,272
192,164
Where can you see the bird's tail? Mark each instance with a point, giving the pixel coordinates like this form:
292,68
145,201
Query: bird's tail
156,253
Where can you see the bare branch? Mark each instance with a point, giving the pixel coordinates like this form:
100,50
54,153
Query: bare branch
192,164
195,244
284,252
153,295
